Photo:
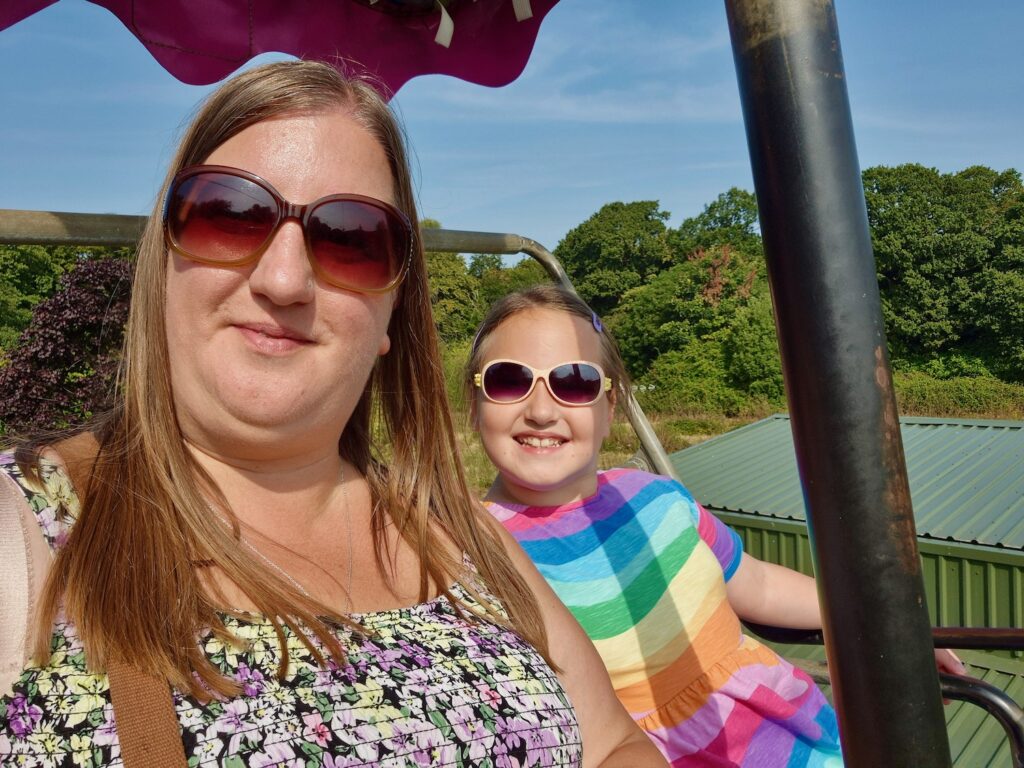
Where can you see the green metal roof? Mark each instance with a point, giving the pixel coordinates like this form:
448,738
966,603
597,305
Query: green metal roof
966,476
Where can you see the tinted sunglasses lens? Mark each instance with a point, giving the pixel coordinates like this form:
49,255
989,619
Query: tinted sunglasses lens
575,383
218,217
357,244
507,382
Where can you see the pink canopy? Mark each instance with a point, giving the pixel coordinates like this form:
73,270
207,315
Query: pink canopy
202,41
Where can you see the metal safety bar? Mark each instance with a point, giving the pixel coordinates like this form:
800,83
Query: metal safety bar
115,230
962,638
842,405
994,701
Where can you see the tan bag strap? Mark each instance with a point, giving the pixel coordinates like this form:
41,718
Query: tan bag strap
147,725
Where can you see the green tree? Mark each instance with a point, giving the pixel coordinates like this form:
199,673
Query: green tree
751,351
622,246
28,274
691,379
948,251
731,219
496,280
1000,313
692,300
482,263
453,292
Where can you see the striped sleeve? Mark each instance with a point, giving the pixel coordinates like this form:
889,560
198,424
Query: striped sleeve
723,540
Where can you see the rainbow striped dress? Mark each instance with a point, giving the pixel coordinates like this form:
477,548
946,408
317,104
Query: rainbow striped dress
643,567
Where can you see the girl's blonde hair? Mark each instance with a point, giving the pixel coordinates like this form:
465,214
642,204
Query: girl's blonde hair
560,299
131,575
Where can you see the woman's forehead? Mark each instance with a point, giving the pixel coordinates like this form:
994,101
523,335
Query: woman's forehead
307,156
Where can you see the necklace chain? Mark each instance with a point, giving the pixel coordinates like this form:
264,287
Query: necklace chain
287,576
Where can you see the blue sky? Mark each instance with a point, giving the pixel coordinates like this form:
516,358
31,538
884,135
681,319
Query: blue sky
621,101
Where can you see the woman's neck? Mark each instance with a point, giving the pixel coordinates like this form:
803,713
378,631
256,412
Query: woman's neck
257,490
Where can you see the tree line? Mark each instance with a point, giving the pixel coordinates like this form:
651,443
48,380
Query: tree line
690,306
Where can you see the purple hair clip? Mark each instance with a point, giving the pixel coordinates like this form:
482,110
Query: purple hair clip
598,326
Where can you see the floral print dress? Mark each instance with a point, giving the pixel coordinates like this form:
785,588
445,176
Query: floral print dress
422,687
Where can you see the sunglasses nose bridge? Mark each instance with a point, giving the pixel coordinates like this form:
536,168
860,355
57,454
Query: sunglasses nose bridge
293,211
540,381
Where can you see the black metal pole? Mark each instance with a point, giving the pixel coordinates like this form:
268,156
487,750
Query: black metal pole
838,382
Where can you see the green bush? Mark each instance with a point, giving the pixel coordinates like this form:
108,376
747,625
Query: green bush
751,350
698,426
453,361
691,380
959,396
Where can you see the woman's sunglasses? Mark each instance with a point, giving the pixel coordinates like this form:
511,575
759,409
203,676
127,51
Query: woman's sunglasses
227,217
574,383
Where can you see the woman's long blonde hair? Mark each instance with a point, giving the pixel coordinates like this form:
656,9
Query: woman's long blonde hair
130,576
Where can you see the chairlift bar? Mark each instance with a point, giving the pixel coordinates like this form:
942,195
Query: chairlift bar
838,382
115,230
994,701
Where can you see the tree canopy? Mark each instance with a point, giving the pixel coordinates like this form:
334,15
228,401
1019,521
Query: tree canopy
65,364
28,274
622,246
949,251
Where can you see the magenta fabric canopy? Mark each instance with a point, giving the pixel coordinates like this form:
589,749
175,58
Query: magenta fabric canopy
202,41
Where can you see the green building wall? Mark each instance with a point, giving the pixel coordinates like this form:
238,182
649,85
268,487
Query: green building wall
966,585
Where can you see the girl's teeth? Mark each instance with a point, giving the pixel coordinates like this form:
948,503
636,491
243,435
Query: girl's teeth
540,442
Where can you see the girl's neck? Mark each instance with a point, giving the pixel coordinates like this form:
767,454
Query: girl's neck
505,492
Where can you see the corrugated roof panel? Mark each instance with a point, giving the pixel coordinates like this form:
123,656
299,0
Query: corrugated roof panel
966,477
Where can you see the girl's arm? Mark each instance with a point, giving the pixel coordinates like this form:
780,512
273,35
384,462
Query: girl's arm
610,737
765,593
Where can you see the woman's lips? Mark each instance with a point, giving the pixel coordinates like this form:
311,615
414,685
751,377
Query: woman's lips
273,339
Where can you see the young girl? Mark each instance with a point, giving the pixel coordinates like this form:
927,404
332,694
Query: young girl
658,583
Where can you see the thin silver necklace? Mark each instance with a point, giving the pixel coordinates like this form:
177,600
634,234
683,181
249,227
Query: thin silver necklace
281,571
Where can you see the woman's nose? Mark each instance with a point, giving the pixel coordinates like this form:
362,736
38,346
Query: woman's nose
283,273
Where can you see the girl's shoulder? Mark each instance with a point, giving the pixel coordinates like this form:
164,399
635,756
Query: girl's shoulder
637,479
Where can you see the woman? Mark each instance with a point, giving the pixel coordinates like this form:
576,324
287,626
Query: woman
280,480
